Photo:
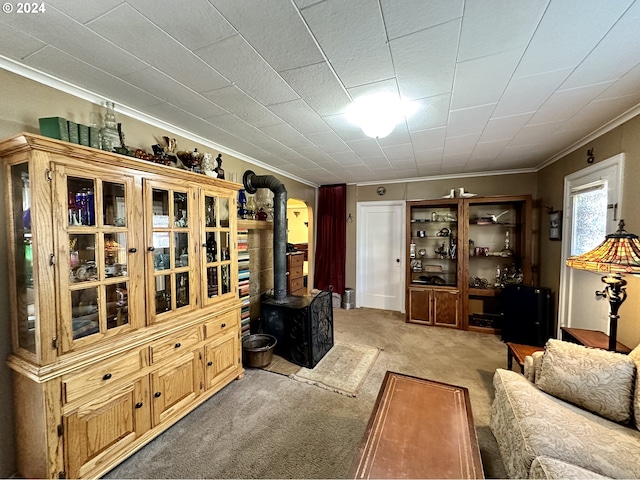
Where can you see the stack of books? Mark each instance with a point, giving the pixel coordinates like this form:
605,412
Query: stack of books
243,280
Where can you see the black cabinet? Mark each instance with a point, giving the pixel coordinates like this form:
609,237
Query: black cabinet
527,314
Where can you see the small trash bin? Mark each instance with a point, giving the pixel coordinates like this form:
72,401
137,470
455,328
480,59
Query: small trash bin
349,299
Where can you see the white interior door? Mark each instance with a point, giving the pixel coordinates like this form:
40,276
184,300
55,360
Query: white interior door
592,203
380,255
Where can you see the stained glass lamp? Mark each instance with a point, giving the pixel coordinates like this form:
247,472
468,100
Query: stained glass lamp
618,254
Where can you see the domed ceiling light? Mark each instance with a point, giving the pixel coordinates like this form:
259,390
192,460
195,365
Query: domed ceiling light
377,115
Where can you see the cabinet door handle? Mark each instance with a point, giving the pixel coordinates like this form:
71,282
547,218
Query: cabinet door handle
151,249
209,364
133,250
106,376
139,405
178,345
204,245
157,394
223,325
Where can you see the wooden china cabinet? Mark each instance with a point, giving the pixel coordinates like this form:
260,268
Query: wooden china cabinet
123,301
461,252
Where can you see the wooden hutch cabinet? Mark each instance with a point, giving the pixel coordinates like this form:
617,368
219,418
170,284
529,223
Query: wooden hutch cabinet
123,301
461,252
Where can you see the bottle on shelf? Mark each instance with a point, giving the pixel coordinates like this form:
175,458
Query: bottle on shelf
506,251
109,133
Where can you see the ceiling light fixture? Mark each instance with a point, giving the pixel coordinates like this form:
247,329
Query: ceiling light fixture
377,115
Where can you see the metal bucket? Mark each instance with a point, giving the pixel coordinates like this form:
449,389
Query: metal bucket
349,299
257,350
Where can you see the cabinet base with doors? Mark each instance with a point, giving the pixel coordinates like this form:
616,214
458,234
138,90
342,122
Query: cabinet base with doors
461,253
124,302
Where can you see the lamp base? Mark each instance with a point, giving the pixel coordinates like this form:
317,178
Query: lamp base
616,294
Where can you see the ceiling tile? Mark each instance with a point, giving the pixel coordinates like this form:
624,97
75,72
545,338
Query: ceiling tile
352,37
428,139
87,11
403,17
287,135
564,104
504,127
299,115
243,106
347,159
430,112
328,141
126,28
319,87
162,86
17,44
399,153
425,61
483,80
346,130
263,25
462,145
186,23
469,120
559,44
531,133
367,148
489,26
627,85
526,94
377,162
66,67
614,56
234,58
76,40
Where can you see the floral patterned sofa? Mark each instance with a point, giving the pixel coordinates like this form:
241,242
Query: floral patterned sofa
575,413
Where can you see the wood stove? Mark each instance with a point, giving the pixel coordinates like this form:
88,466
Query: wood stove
303,327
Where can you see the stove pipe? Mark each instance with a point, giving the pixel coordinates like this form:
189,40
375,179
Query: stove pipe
251,183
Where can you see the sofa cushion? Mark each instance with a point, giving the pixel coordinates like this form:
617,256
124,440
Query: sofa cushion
529,423
545,467
599,381
635,356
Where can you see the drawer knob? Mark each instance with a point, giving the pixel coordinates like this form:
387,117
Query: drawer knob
223,325
151,249
133,250
209,364
178,345
139,405
157,394
106,376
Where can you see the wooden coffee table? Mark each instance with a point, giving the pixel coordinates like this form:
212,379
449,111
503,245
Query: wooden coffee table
419,429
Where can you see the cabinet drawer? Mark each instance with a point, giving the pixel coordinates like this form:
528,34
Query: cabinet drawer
295,272
219,324
106,373
296,260
296,284
174,344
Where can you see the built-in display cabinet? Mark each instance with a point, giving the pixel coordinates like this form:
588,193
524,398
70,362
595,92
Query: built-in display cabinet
461,252
123,301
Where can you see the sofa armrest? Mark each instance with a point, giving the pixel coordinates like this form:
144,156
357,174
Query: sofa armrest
532,364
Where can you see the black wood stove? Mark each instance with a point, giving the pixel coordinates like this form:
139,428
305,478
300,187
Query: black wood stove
303,327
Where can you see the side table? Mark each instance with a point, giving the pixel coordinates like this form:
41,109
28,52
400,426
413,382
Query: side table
519,351
591,338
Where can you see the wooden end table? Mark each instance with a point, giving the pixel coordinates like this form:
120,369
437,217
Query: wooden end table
519,351
419,429
591,338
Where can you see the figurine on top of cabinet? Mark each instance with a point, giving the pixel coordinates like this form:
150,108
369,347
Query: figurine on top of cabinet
219,169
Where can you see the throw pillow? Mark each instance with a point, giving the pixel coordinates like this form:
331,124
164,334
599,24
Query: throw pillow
596,380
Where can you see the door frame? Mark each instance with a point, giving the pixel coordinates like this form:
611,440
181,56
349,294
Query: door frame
361,242
565,288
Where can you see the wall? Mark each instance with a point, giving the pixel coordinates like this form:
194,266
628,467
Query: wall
515,184
24,101
623,139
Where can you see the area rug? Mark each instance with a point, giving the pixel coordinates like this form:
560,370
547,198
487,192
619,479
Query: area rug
282,366
342,369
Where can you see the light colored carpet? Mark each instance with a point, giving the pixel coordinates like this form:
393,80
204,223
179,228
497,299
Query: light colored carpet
342,369
282,366
270,426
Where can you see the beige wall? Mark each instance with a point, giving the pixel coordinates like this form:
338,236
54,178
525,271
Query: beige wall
516,184
23,102
623,139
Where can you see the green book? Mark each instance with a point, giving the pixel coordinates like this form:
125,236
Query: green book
83,135
54,127
74,136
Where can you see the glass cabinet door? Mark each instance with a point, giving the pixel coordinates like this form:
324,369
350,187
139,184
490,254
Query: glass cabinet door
97,254
171,250
23,282
218,246
433,245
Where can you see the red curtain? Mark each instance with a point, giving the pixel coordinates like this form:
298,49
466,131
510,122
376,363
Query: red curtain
331,242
